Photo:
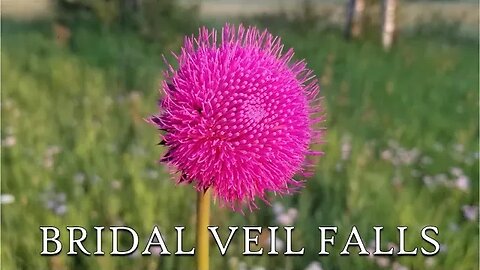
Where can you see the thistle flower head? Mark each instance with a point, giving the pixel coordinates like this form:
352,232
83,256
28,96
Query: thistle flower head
238,115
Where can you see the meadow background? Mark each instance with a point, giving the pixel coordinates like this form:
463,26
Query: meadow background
401,147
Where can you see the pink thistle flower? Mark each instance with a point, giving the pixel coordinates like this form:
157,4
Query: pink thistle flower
238,115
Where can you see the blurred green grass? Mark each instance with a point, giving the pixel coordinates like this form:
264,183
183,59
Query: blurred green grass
75,150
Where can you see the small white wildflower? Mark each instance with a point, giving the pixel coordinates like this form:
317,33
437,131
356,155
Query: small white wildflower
48,162
459,147
79,178
135,95
346,148
398,266
278,208
441,179
383,262
9,141
61,210
452,226
95,179
438,147
430,262
415,173
455,171
233,262
116,184
387,155
338,166
152,174
370,251
428,181
408,157
426,160
288,218
279,244
242,266
462,183
293,213
155,250
314,266
394,246
284,219
7,198
53,150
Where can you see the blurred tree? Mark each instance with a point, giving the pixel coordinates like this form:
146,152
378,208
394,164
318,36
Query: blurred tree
308,16
154,19
160,19
106,12
388,23
364,15
354,25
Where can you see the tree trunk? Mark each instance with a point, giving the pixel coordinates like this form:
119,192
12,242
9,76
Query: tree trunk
355,11
388,25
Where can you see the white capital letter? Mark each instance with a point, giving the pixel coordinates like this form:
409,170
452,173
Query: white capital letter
288,243
402,243
99,241
78,242
324,240
179,243
221,247
249,240
358,242
378,243
273,241
161,243
115,250
430,240
46,239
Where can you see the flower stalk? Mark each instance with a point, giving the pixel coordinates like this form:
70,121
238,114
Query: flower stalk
203,219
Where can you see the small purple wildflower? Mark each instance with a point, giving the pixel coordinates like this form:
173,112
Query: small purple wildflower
56,202
239,115
470,212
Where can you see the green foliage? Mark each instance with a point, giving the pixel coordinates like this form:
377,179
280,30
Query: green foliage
160,21
72,124
149,17
449,29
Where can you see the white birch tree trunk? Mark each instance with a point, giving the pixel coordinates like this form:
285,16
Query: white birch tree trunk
388,25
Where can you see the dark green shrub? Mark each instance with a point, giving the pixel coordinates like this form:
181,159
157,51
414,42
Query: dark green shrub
153,19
